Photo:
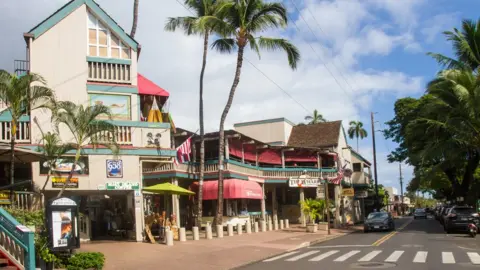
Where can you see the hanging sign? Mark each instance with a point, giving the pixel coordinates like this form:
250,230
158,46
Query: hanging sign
114,168
349,192
304,182
361,194
321,192
58,182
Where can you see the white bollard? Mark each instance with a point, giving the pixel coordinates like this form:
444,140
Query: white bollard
169,238
270,226
182,235
255,227
208,231
275,225
196,234
230,229
248,227
239,229
287,225
219,231
263,226
281,224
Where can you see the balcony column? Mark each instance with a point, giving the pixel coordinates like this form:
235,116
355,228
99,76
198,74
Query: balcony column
303,220
319,161
227,149
283,159
176,203
274,205
263,203
243,154
256,157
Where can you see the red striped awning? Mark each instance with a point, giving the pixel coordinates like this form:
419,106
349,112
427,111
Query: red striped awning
147,87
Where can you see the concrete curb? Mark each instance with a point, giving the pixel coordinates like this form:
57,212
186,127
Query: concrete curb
303,245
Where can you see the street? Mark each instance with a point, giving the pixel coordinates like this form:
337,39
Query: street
416,244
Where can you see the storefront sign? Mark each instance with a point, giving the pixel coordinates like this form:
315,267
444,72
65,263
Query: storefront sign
304,182
321,192
256,179
122,186
349,192
114,168
361,194
58,182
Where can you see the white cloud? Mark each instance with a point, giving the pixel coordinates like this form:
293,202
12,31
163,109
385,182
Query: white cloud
436,25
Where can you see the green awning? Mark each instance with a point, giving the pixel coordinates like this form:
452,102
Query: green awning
167,188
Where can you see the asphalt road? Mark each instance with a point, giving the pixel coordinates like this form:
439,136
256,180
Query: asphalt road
416,244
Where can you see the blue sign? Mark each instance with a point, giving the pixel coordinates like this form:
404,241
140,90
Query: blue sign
114,168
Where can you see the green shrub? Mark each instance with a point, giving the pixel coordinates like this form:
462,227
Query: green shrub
86,260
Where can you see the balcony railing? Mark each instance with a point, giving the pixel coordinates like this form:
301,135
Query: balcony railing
22,135
109,72
21,67
235,166
123,135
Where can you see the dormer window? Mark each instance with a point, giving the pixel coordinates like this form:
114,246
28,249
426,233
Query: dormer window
103,43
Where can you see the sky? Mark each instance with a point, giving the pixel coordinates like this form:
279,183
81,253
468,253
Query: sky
357,57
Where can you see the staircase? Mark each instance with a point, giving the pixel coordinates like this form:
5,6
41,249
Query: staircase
6,263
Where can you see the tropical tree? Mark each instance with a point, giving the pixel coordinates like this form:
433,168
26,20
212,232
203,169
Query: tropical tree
192,26
356,130
315,118
135,18
22,94
465,46
86,128
242,24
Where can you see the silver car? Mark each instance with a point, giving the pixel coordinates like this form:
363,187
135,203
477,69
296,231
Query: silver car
420,213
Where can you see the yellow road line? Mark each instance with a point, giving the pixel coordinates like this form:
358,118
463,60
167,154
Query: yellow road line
390,235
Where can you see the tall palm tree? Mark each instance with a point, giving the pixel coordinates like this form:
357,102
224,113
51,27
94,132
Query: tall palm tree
191,26
135,18
22,94
465,46
356,130
243,22
86,129
315,118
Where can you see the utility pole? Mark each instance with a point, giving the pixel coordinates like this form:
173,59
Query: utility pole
401,187
375,163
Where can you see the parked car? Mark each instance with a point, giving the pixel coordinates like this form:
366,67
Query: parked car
444,214
379,221
459,217
420,213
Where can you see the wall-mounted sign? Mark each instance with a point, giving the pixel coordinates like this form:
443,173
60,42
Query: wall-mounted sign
58,182
114,168
122,186
64,166
321,192
61,215
361,194
348,192
304,182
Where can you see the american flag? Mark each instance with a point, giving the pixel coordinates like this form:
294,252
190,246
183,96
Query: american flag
337,179
183,151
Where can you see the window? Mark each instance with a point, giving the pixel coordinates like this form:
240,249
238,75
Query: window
357,167
102,43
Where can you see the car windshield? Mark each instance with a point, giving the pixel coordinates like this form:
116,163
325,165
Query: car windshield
419,210
377,215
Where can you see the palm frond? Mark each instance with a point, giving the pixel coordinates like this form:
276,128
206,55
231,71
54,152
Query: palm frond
273,44
224,45
188,24
446,61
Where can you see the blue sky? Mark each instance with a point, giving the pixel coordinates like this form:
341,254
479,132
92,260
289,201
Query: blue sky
375,50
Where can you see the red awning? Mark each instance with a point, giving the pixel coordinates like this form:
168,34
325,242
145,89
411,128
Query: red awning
147,87
232,189
235,149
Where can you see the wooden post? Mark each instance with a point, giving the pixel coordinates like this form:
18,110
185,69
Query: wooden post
243,154
302,215
283,159
263,203
327,200
274,204
227,149
256,157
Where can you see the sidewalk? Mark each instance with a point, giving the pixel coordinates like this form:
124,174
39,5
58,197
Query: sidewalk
224,253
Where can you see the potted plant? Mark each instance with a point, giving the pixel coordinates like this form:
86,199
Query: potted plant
311,208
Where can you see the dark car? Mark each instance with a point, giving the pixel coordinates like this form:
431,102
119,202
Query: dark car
459,217
379,221
420,213
443,214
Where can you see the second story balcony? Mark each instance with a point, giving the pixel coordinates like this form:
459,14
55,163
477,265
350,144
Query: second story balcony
109,71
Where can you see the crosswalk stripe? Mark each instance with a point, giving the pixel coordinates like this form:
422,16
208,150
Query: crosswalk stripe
346,256
394,256
281,256
474,257
323,256
420,257
447,258
298,257
370,256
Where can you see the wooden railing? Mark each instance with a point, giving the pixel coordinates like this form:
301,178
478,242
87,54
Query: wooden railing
17,241
22,135
234,166
109,72
123,135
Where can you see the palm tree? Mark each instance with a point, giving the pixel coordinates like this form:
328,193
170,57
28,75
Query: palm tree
135,18
356,130
244,21
22,94
465,46
85,128
191,26
315,118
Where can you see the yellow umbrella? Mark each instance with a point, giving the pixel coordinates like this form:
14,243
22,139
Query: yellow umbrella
154,115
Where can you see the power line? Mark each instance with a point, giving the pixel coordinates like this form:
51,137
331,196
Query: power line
261,72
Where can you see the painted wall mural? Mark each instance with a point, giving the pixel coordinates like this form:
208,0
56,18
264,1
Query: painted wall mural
118,104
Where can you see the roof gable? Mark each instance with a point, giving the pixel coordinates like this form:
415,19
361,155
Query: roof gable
95,9
316,135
